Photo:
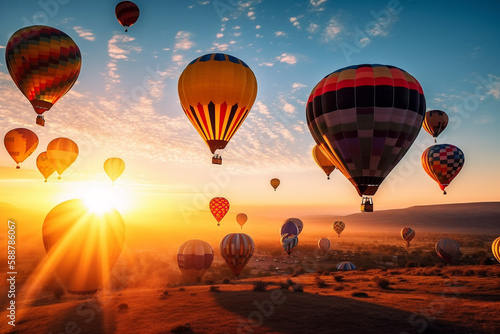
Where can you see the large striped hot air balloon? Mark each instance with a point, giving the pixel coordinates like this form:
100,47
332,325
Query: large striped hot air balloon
365,118
495,248
20,143
442,163
44,63
216,92
62,152
407,234
114,167
44,165
194,258
323,161
82,246
218,206
447,249
127,13
435,121
236,249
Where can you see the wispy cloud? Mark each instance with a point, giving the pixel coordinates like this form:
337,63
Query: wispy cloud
280,33
268,64
313,28
118,47
2,46
295,21
332,30
183,41
296,86
287,107
84,33
287,58
261,108
317,5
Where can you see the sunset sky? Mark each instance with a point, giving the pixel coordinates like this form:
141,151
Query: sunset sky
125,104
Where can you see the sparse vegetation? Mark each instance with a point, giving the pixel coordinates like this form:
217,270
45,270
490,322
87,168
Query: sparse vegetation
360,294
123,306
382,283
259,286
320,283
298,288
58,292
338,278
214,288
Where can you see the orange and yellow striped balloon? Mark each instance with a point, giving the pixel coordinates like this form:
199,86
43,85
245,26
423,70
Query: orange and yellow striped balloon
114,167
323,160
20,143
217,92
495,248
44,63
62,152
44,165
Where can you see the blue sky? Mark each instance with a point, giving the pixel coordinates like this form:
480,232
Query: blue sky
125,102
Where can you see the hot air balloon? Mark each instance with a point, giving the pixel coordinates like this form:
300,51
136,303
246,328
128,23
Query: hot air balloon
435,122
407,234
495,248
62,152
44,63
236,249
44,166
323,244
194,258
289,226
365,118
346,266
82,247
219,206
20,143
338,227
275,183
114,167
241,218
127,13
288,242
323,161
217,92
447,249
442,163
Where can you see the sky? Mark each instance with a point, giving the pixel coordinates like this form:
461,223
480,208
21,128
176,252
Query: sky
125,104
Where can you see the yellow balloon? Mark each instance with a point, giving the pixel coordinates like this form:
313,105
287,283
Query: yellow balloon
241,218
62,152
82,246
44,166
114,167
323,161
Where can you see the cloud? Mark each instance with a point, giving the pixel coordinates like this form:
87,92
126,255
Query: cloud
316,5
295,21
296,86
313,28
332,30
268,64
279,33
287,58
84,33
286,107
257,26
251,15
182,41
118,49
484,119
219,35
494,87
2,46
261,108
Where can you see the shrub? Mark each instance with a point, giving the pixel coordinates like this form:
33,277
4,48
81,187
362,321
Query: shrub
226,281
214,288
382,283
165,292
284,286
321,282
439,265
209,282
469,272
339,278
58,292
360,294
259,286
338,288
123,306
482,273
290,282
182,289
485,261
410,264
298,288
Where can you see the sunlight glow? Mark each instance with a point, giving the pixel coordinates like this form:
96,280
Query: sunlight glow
101,198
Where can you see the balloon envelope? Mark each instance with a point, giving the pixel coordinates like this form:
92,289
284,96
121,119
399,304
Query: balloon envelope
323,161
44,63
241,218
219,206
62,152
82,246
288,242
289,226
216,92
435,122
127,13
114,167
236,249
407,234
447,249
495,248
194,258
20,143
346,266
323,244
442,163
338,226
44,166
275,183
365,118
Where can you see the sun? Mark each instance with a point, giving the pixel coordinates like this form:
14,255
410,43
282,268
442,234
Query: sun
101,198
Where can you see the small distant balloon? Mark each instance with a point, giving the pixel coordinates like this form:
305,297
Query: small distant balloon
62,152
324,244
194,258
435,121
44,165
20,143
338,227
346,266
236,249
241,218
288,242
442,163
275,183
407,234
127,13
495,248
323,161
114,167
447,249
219,206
